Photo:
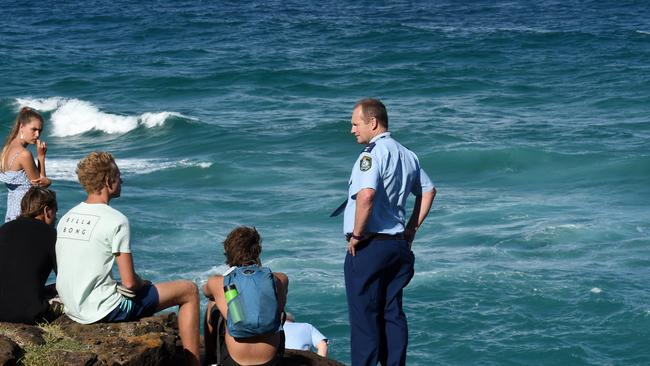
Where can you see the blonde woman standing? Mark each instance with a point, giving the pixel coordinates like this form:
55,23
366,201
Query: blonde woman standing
17,167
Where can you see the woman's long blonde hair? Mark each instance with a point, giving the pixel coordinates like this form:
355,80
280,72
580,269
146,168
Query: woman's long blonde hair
25,116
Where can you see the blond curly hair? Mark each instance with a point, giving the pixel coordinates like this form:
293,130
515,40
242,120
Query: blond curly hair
95,169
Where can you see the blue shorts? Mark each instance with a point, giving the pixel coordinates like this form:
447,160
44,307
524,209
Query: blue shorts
144,304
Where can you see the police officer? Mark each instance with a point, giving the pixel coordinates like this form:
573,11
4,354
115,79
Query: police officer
379,262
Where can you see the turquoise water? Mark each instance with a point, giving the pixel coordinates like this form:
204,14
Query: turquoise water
531,118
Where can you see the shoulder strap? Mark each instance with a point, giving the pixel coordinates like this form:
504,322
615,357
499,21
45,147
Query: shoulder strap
12,159
220,325
227,276
282,345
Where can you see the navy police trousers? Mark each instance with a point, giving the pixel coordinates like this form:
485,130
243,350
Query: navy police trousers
374,280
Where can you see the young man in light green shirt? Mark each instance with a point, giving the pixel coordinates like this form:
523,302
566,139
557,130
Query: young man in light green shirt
91,237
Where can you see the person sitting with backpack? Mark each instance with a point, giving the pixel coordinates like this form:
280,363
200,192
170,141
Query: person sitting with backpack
250,300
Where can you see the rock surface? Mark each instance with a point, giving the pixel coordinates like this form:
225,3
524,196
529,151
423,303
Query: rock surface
151,341
10,352
148,342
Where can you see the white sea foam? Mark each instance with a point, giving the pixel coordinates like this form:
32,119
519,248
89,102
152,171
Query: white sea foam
214,270
73,116
596,290
552,230
474,30
40,104
64,169
157,119
643,32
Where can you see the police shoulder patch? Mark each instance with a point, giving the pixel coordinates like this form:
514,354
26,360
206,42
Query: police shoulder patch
366,163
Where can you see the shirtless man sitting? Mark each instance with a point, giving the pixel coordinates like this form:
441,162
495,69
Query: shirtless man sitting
242,247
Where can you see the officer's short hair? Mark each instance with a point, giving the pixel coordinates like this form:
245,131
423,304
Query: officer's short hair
35,200
243,247
373,108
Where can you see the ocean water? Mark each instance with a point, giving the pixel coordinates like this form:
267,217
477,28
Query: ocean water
530,117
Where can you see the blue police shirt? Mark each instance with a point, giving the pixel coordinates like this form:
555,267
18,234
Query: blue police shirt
393,171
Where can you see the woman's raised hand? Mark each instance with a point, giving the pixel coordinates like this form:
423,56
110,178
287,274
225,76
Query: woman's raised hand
41,148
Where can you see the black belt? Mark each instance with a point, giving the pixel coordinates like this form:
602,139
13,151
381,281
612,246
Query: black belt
377,236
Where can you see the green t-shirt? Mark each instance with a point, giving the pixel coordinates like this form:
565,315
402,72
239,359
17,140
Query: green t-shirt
88,237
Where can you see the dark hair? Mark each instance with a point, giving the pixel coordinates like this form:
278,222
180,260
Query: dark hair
243,246
373,108
94,169
24,117
35,200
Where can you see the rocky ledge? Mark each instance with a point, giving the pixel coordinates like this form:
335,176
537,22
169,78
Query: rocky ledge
148,342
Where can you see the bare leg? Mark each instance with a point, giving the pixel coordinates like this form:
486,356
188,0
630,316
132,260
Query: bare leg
186,295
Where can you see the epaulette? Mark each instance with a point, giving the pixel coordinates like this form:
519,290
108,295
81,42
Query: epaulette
369,148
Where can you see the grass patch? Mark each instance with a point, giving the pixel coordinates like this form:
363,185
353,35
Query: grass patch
8,332
56,343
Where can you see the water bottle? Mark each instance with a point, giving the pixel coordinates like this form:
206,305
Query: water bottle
235,309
